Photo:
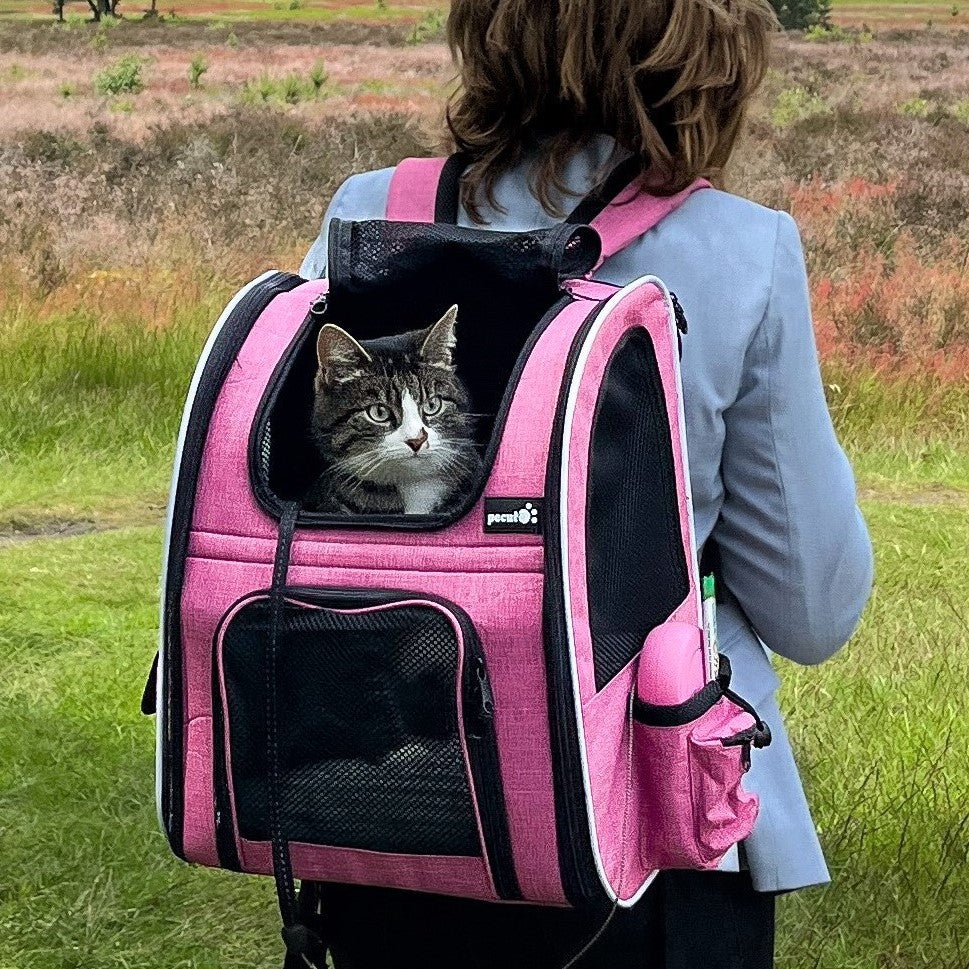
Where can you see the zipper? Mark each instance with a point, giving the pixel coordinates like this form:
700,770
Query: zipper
233,334
576,859
225,840
478,728
482,744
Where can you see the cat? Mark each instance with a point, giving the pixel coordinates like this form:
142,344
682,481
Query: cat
391,422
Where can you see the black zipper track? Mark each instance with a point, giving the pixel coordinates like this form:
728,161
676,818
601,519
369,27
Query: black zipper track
576,859
482,747
272,505
221,357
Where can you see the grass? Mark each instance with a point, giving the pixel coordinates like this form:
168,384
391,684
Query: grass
879,733
90,415
87,880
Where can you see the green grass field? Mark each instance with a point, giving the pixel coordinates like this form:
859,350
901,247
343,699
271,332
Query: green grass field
88,882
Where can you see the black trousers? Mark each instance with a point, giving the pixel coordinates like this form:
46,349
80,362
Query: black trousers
686,920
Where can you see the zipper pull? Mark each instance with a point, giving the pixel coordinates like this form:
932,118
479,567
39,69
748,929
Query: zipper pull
678,314
318,308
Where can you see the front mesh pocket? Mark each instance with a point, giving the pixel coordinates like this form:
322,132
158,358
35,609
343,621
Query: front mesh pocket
370,750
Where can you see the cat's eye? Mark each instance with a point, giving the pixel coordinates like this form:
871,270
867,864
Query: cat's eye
378,413
432,406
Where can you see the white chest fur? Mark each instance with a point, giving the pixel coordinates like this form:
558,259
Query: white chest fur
422,497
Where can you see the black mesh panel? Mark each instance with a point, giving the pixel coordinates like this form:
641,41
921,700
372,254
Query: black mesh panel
370,755
637,574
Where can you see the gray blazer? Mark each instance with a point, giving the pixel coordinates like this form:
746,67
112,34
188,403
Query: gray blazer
769,479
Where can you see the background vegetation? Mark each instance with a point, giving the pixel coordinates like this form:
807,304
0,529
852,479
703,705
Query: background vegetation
148,169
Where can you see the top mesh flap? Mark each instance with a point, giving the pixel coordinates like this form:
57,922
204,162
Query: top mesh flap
377,264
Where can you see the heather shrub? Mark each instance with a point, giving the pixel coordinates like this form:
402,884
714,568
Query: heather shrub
237,192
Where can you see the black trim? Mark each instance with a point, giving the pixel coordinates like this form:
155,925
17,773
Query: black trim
447,203
149,697
596,201
272,505
220,359
576,859
676,715
479,728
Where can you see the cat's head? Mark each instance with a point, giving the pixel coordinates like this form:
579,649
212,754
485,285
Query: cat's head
393,409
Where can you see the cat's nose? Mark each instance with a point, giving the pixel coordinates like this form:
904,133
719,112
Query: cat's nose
416,443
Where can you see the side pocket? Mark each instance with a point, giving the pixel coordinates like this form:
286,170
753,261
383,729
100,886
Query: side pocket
690,760
723,812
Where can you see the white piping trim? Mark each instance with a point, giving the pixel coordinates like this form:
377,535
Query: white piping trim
576,380
160,711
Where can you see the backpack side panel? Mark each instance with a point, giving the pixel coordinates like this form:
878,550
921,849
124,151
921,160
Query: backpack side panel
217,357
627,548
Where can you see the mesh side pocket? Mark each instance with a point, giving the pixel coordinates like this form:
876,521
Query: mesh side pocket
369,747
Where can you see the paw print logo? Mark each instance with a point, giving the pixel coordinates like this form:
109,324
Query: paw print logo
528,515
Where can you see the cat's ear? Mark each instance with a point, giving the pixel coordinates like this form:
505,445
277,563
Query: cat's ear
439,339
339,355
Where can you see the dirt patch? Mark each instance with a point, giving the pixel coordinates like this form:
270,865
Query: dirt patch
19,531
922,498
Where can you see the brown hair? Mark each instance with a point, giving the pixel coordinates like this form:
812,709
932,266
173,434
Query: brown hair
670,80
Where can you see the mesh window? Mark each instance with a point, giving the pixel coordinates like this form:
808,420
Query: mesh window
637,574
370,755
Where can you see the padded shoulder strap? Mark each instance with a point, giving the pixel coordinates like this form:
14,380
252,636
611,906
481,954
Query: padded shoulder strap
426,190
413,190
633,212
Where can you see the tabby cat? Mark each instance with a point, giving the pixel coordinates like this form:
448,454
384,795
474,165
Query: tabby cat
390,419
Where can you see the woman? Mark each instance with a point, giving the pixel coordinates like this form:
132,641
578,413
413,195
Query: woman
553,95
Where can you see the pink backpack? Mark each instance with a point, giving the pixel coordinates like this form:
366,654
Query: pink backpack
515,702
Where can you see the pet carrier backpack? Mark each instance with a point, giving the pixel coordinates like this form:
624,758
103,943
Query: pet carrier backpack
513,701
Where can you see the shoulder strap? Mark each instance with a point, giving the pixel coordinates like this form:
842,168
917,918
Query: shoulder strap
621,210
634,212
426,190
